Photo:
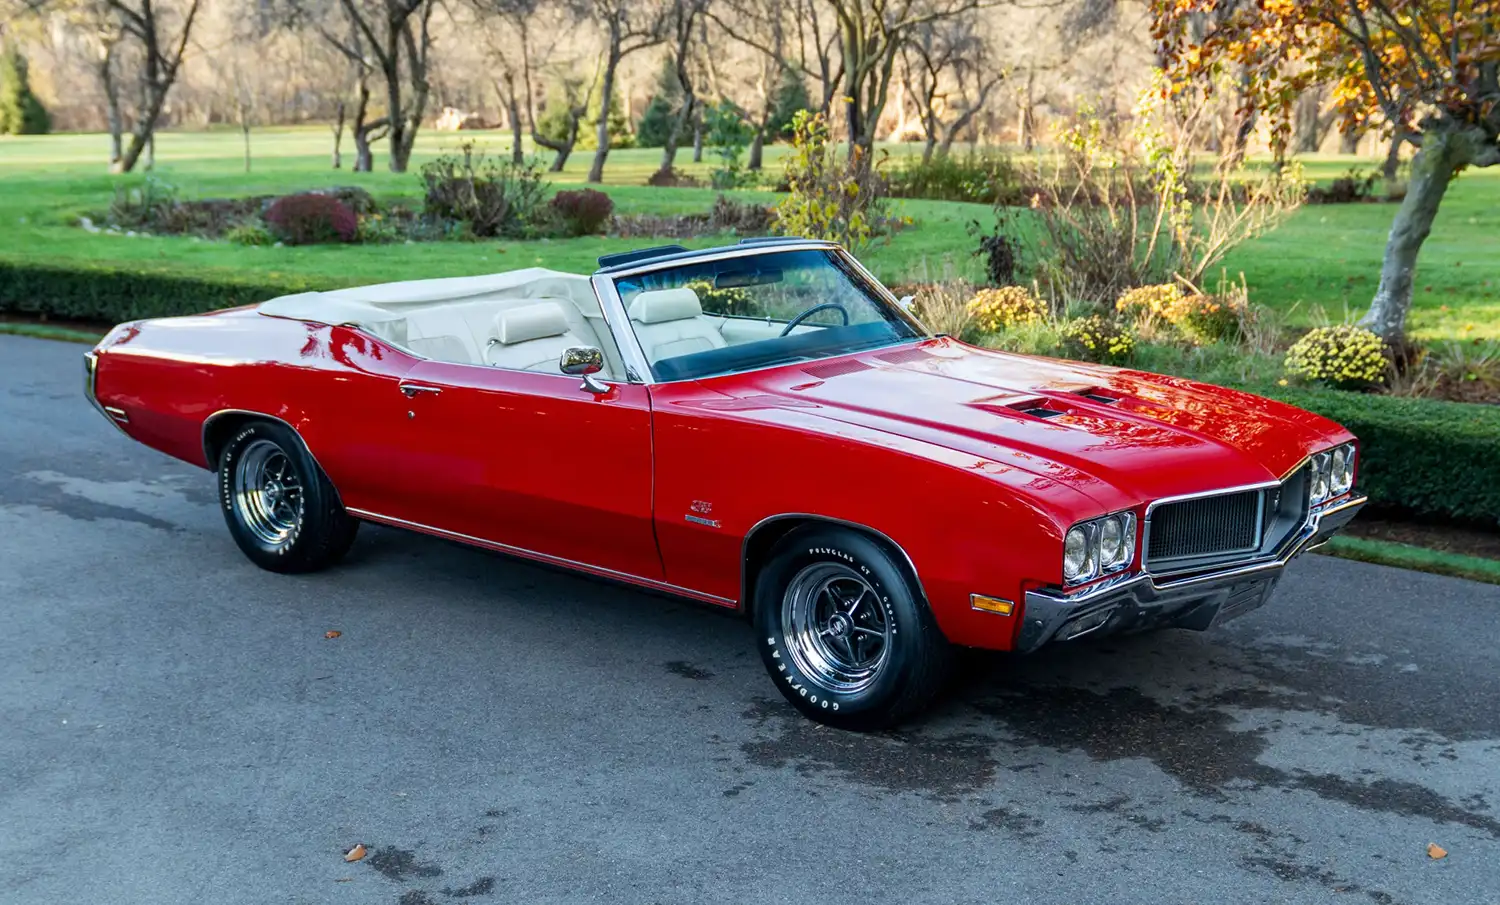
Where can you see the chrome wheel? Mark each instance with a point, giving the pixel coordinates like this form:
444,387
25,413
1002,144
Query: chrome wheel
267,493
837,632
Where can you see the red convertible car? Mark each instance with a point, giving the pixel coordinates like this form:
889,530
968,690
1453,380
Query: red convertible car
762,427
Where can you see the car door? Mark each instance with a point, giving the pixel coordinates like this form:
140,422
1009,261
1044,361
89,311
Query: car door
532,461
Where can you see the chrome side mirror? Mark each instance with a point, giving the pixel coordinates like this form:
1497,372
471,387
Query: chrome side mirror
906,301
585,362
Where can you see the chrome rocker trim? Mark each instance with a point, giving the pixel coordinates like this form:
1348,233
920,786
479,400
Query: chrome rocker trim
544,558
1196,602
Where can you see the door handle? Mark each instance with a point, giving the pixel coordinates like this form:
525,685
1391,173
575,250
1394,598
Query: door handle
412,389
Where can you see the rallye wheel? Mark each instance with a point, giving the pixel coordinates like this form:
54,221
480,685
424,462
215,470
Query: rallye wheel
844,630
280,507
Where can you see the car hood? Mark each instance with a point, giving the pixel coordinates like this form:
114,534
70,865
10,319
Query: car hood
1122,437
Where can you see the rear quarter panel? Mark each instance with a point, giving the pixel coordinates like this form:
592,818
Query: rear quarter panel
337,387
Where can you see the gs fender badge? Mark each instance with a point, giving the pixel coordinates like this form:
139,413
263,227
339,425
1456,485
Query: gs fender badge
702,508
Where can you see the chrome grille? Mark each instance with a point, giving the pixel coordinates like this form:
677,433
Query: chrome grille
1208,527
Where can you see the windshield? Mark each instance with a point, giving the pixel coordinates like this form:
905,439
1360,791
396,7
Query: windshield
706,318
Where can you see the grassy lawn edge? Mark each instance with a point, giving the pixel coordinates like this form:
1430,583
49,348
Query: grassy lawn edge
1419,559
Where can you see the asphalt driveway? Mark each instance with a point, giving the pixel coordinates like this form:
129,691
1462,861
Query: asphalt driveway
176,728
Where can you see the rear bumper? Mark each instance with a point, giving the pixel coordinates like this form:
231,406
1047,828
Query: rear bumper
1196,602
115,416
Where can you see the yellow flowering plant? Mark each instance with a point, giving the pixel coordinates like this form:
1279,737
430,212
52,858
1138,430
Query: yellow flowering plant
1097,339
993,310
1344,356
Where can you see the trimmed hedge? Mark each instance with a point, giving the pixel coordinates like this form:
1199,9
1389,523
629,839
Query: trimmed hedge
1419,457
111,294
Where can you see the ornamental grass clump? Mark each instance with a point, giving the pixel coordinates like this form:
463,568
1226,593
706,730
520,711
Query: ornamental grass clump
993,310
1346,357
1097,339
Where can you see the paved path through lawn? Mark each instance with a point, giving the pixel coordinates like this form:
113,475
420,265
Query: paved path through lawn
175,728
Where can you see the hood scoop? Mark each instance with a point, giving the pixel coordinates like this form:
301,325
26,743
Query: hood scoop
1099,396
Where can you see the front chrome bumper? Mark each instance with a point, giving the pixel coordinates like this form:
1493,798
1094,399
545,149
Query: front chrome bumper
1197,601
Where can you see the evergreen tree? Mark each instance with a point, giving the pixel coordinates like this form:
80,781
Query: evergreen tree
791,98
20,111
661,110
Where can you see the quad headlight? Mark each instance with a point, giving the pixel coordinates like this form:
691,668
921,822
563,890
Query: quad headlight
1098,547
1332,473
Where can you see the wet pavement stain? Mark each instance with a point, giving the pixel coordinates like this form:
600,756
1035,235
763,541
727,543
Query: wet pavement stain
481,887
399,864
415,897
687,670
1017,823
940,767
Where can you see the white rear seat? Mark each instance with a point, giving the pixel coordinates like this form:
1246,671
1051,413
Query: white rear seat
670,322
530,338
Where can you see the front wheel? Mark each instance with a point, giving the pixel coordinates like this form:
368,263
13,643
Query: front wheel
844,630
281,509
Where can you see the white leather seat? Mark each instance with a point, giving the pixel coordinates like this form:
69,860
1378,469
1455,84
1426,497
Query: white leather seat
530,338
670,322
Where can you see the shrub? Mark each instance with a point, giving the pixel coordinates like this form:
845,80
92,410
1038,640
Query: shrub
1160,300
828,197
311,219
1097,339
995,309
493,197
1344,356
379,229
1212,318
145,205
1418,457
1349,188
252,234
727,133
20,111
999,250
110,294
673,178
743,217
584,212
983,177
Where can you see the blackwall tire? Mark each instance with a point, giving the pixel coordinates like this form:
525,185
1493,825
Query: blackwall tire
844,631
281,509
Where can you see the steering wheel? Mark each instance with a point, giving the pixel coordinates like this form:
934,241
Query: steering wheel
814,310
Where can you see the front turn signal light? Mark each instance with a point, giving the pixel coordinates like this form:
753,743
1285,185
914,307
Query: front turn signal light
998,605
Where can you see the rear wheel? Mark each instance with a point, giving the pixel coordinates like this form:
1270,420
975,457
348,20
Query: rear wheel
280,508
844,630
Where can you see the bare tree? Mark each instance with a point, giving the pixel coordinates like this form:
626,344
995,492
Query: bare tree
160,29
629,26
948,73
683,22
394,38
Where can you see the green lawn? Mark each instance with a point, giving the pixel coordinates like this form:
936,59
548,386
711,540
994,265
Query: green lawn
1322,263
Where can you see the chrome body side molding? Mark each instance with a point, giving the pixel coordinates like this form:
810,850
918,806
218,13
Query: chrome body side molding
547,558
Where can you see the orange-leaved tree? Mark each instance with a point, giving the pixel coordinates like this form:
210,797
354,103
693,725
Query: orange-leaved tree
1428,66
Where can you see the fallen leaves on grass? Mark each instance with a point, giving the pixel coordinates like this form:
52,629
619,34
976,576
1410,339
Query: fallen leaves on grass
1435,851
356,853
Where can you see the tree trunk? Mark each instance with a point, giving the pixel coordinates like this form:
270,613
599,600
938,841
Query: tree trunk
1349,142
606,92
1442,152
245,133
338,138
399,149
928,148
757,150
1026,118
112,104
698,139
1393,156
669,147
513,110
